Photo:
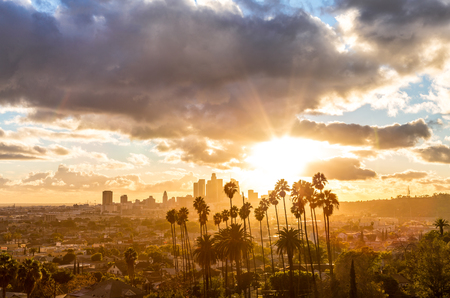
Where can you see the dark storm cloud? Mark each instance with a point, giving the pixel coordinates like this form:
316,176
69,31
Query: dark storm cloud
436,154
167,69
406,176
386,137
340,169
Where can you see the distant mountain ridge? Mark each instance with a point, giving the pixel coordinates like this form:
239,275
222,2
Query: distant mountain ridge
437,205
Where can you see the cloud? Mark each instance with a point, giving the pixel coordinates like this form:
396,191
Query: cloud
138,159
387,137
19,151
340,168
70,179
406,176
180,68
436,154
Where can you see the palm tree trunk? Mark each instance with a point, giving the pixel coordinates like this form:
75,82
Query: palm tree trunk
183,258
190,252
270,243
285,213
310,257
330,256
303,249
253,251
262,248
291,276
278,224
318,245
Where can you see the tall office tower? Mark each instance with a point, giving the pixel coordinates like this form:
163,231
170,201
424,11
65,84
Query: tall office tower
196,193
107,198
165,198
124,199
253,197
202,188
214,189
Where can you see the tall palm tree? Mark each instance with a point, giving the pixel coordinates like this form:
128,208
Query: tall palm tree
273,199
29,274
264,204
225,216
330,203
305,192
244,213
199,203
315,200
8,271
234,243
259,215
441,224
205,255
281,188
288,242
183,214
217,219
171,217
180,222
130,256
230,189
203,217
297,210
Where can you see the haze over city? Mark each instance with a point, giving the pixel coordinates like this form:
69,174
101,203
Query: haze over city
142,97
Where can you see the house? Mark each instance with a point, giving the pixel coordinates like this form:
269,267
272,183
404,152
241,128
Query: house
114,270
108,289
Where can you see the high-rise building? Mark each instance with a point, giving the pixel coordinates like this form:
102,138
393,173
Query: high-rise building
196,193
107,198
124,199
165,198
253,197
214,189
201,188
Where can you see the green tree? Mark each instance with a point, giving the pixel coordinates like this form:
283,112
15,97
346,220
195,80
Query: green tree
353,291
8,271
288,242
130,256
28,274
441,223
98,257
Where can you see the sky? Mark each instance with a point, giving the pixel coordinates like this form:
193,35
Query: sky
141,97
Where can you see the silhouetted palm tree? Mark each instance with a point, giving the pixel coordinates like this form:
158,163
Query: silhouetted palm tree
234,243
259,215
288,242
226,216
264,204
305,191
273,199
130,256
199,204
183,214
330,203
234,212
29,274
171,217
217,219
441,224
281,188
183,247
8,271
230,189
205,255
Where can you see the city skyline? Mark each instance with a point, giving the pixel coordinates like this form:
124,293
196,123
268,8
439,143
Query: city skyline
150,96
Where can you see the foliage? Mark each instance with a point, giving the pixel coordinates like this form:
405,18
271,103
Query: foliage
98,257
8,271
280,282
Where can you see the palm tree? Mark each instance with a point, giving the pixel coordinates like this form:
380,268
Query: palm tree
259,215
183,214
281,188
8,271
29,274
203,217
244,213
441,224
330,202
225,216
171,217
233,243
273,199
315,201
264,204
304,192
130,256
205,255
234,213
288,242
199,204
297,210
217,219
230,189
180,222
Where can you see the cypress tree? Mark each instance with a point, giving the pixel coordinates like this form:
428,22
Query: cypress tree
353,291
75,267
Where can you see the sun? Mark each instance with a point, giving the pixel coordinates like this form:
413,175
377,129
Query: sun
284,157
